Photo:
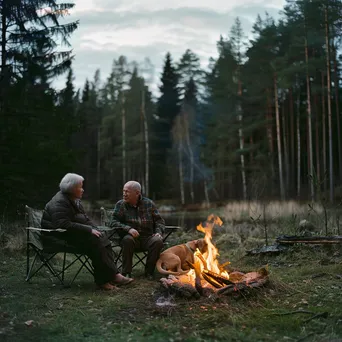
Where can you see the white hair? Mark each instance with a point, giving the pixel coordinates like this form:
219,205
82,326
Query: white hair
69,181
134,185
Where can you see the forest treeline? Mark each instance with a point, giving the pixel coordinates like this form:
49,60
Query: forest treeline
263,121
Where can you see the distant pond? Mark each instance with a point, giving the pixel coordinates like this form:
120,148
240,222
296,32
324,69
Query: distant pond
187,220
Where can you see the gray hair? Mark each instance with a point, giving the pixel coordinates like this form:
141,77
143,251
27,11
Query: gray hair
69,181
134,185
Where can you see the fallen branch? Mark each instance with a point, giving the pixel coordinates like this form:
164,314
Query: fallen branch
293,312
309,239
322,314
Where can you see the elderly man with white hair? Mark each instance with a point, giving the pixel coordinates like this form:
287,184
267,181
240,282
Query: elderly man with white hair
140,226
65,211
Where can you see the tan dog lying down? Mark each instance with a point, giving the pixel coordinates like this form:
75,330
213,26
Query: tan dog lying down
174,259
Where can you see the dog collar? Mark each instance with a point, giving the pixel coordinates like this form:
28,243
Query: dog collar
191,250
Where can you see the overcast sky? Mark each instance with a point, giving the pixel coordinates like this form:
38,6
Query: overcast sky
150,28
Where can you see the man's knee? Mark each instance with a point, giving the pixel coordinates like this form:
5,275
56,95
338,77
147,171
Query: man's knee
157,243
128,240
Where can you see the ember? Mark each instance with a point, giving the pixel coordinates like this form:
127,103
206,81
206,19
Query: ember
207,275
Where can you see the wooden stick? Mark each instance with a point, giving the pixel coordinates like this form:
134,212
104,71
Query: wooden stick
212,281
309,239
218,277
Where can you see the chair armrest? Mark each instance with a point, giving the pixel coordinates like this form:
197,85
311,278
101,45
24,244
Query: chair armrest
104,228
59,230
172,227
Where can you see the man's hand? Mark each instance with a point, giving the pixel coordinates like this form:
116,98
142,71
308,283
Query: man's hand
133,232
96,233
157,235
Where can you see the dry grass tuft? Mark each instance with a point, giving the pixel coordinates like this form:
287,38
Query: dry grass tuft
242,210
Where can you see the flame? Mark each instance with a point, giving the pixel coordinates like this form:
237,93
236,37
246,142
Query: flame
208,260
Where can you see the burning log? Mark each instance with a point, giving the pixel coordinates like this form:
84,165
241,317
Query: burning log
249,280
200,256
217,277
239,287
211,280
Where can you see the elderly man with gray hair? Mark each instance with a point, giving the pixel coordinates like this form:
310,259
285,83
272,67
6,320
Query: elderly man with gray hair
65,211
140,227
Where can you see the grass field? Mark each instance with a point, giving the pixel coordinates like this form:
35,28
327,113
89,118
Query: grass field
302,303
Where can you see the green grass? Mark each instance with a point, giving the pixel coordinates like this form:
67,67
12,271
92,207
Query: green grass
302,279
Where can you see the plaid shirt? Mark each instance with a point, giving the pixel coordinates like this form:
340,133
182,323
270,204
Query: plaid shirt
144,217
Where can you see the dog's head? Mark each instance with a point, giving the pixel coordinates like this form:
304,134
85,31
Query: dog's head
201,245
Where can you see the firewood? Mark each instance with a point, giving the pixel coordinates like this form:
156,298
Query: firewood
222,266
204,262
212,281
218,277
243,286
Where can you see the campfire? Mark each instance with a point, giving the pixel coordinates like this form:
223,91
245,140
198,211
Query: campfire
207,275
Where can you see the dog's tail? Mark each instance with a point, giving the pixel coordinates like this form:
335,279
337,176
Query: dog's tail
161,270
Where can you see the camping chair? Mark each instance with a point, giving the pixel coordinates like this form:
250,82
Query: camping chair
45,253
140,256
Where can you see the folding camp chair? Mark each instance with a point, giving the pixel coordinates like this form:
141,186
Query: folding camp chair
43,253
140,256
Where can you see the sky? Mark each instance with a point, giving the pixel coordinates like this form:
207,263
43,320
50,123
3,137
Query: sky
150,28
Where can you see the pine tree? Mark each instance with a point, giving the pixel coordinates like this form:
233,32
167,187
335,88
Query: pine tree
168,107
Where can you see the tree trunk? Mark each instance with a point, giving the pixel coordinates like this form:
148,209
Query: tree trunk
317,144
270,133
98,164
280,158
309,120
292,140
251,155
191,155
180,170
206,195
147,148
298,145
337,106
241,141
331,170
286,154
324,137
123,124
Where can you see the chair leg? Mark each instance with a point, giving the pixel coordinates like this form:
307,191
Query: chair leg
140,259
27,260
118,260
29,269
84,264
44,262
63,269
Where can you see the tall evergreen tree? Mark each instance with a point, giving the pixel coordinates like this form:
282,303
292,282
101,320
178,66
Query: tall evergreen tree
168,107
30,58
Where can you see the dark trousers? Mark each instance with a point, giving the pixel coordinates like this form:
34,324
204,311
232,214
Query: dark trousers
152,244
97,249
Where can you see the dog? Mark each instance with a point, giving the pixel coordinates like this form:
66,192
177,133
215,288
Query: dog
174,259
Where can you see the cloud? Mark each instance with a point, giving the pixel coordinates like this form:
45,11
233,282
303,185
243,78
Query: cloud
151,28
157,5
